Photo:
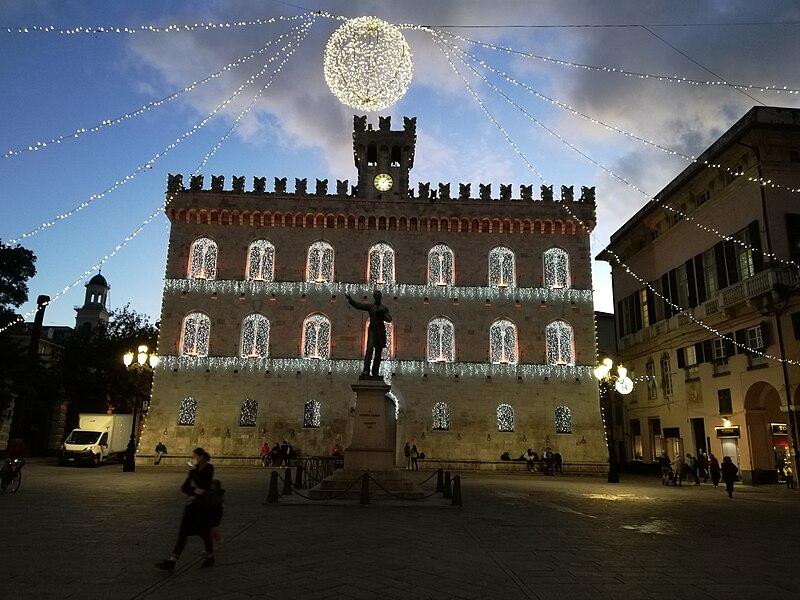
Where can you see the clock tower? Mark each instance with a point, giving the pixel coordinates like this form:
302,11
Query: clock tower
383,157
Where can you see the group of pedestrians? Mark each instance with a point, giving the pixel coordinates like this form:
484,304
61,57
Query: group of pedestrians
705,466
412,456
278,455
549,463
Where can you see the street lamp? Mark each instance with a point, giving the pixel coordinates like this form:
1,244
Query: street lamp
624,385
143,358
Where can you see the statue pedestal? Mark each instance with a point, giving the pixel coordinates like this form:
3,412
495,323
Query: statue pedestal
374,429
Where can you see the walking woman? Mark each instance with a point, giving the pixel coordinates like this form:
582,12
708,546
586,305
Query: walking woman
199,511
729,474
714,469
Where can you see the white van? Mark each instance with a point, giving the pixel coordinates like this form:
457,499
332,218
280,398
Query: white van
97,439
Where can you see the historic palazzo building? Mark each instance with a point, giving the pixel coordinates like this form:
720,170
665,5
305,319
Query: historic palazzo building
492,343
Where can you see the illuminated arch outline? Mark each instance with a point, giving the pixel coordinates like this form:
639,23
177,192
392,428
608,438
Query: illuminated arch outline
502,267
441,340
505,418
203,259
319,265
261,261
195,334
255,336
556,269
316,337
441,416
381,264
503,342
441,265
560,344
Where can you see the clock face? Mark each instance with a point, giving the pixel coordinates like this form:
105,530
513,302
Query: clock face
383,182
624,385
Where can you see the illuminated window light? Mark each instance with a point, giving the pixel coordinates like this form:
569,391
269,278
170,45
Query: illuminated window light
441,340
255,337
248,413
261,261
556,269
563,417
503,342
187,411
319,265
441,266
505,418
195,335
316,337
312,414
203,259
502,268
381,268
560,346
441,416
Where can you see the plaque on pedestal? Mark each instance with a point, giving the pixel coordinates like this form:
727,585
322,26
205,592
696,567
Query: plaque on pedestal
374,428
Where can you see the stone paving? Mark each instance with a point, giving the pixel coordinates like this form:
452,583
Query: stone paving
95,533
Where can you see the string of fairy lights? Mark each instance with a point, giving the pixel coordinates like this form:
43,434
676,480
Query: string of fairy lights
709,229
443,39
303,30
298,33
105,123
617,258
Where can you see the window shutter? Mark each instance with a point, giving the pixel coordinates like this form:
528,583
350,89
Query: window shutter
700,278
719,260
651,306
764,334
681,358
665,294
637,311
708,351
691,283
730,347
741,338
730,262
754,237
673,291
620,320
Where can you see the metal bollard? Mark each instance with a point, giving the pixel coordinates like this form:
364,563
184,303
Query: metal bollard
456,491
447,493
287,482
272,495
364,489
439,480
298,478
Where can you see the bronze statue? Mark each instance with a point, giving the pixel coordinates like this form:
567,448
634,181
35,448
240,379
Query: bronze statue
376,338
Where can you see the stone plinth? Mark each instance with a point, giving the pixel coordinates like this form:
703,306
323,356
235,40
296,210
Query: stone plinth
374,429
345,484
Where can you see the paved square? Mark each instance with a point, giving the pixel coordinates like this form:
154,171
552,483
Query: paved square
96,533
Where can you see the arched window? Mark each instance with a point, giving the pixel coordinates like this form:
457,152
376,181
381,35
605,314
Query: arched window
203,259
441,416
319,266
381,264
502,268
560,349
261,261
311,414
441,340
388,351
556,269
503,342
187,411
195,334
505,418
248,413
255,336
317,337
441,265
563,419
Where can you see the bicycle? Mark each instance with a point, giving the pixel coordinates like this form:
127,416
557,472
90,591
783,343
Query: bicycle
12,474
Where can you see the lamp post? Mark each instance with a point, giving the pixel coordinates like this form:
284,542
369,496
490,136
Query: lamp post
143,358
623,384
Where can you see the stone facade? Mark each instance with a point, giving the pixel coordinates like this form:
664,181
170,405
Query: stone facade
352,221
744,288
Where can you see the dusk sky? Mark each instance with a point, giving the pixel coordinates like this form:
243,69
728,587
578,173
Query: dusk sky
55,84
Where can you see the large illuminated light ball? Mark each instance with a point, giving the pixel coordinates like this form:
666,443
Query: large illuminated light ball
368,64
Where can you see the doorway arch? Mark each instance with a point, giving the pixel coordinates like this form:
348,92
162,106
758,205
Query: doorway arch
762,406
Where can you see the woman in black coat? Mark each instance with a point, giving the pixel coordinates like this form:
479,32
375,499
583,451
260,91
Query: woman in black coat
200,511
729,474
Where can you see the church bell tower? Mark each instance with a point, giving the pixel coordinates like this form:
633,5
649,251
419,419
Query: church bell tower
383,157
94,311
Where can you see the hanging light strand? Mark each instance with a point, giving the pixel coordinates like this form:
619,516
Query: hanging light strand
22,318
167,149
100,29
616,70
89,271
688,218
40,145
689,158
685,312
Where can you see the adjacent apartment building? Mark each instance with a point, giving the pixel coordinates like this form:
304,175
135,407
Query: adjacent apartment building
707,302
